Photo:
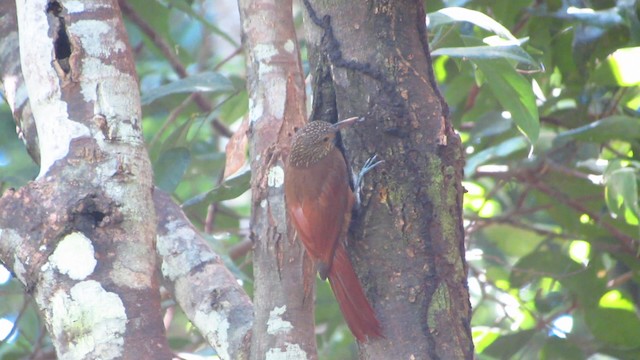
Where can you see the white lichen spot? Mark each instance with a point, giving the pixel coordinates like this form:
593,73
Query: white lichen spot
74,256
73,7
97,37
19,269
91,319
276,324
178,260
275,178
276,107
219,333
289,46
263,203
256,110
263,54
292,351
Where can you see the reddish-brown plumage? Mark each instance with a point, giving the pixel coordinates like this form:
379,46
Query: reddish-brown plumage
319,200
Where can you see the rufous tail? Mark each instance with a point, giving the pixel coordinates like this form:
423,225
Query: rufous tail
354,304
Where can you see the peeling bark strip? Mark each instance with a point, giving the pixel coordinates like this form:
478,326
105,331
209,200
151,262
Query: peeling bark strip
283,278
84,247
407,240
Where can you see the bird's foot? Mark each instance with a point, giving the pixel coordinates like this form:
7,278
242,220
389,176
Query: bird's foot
369,165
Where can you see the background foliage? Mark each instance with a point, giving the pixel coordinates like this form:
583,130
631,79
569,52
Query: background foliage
546,97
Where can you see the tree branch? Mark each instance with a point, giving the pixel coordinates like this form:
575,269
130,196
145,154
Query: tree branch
202,285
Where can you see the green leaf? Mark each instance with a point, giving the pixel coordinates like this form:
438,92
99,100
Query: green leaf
204,82
231,188
235,107
484,336
614,127
619,69
615,327
508,345
543,264
621,189
511,52
458,14
599,18
502,149
560,349
514,93
170,168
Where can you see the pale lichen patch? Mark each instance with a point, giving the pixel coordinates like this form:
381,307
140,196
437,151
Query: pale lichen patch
74,256
177,262
289,46
92,319
276,324
275,178
98,37
292,351
219,333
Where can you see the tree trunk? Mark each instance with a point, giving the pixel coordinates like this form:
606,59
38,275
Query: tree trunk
372,59
284,322
83,246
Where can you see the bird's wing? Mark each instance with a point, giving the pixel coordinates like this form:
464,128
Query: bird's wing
320,206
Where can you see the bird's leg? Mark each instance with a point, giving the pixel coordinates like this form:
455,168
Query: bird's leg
371,163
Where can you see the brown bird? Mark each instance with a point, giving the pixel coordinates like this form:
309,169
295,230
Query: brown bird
319,200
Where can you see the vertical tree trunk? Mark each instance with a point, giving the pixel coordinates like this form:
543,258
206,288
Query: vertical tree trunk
84,245
372,59
283,325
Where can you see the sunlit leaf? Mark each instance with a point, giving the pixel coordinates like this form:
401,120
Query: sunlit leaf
620,68
514,93
231,188
588,16
511,52
622,190
502,149
613,127
484,336
614,299
458,14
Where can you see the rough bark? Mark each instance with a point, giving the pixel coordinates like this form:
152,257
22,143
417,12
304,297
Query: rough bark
371,59
196,277
204,288
13,88
84,245
284,326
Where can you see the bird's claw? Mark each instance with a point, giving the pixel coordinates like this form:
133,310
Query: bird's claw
369,165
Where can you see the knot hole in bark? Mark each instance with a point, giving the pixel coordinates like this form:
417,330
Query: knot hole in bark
58,31
91,212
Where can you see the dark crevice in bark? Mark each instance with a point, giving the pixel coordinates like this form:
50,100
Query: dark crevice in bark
333,50
422,32
61,43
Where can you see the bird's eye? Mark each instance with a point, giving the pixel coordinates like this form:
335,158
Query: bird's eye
325,139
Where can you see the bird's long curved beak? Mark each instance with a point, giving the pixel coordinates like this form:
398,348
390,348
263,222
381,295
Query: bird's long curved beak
347,122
